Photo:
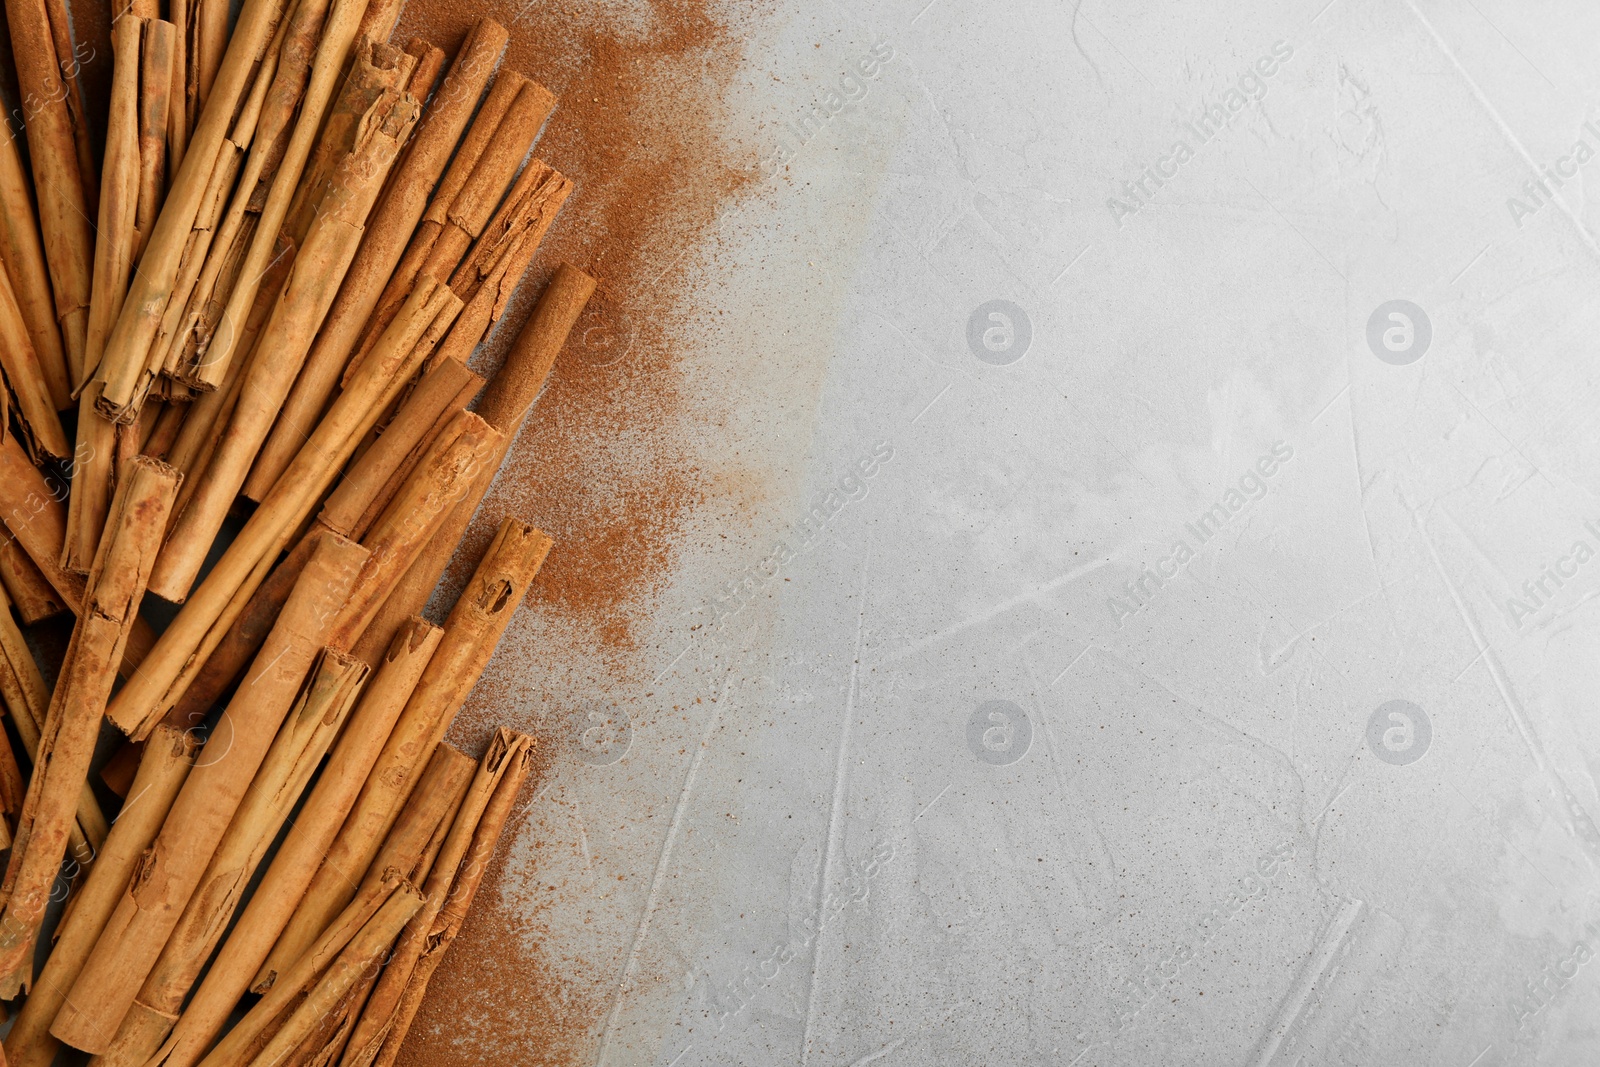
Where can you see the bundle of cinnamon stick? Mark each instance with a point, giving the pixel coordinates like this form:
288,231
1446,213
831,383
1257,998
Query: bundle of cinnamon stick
245,390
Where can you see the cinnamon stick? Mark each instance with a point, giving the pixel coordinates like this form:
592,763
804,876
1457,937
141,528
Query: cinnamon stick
338,38
27,698
323,987
472,631
128,347
500,117
450,889
155,99
22,256
381,248
505,404
413,517
153,902
72,726
59,174
312,282
26,585
302,741
31,508
176,656
313,832
168,756
490,275
376,476
25,375
211,37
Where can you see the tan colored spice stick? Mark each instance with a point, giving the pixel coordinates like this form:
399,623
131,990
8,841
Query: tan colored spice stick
284,341
58,178
127,349
67,741
363,957
22,255
215,251
489,276
308,840
165,429
375,67
154,901
211,17
450,888
381,248
70,62
119,201
464,218
26,378
178,113
27,698
92,476
446,472
26,586
485,128
346,950
31,508
204,620
168,756
409,850
301,743
472,631
233,654
373,479
155,99
505,404
430,64
332,53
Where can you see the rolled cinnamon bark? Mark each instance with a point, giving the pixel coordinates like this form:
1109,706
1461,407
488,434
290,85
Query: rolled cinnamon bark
490,275
505,404
31,508
302,741
450,888
22,255
308,840
313,281
391,227
470,636
49,101
414,516
92,474
26,585
155,100
376,476
211,37
333,53
501,135
177,655
27,698
220,238
61,767
152,904
376,68
128,348
321,983
430,64
26,377
168,756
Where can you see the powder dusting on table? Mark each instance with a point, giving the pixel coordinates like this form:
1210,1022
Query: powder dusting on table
604,463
